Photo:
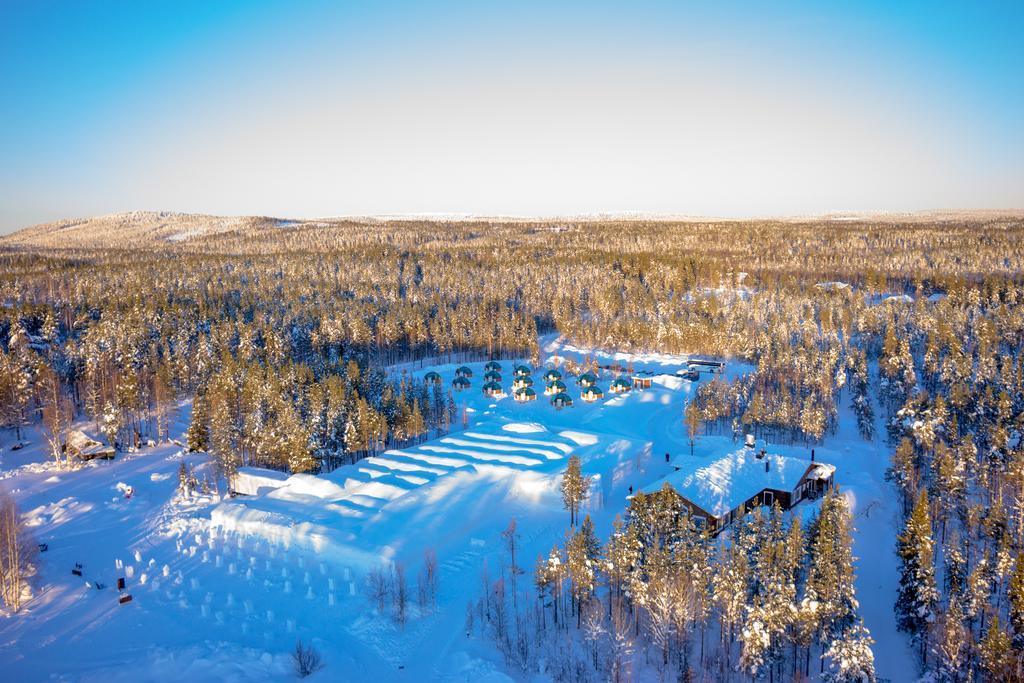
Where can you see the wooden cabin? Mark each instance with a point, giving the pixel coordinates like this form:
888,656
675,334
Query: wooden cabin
460,383
592,393
620,386
84,447
720,490
561,399
493,389
432,378
522,371
525,394
521,382
587,379
641,382
552,375
555,387
464,372
492,365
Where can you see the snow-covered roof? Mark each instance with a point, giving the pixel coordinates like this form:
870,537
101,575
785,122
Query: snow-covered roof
723,484
84,444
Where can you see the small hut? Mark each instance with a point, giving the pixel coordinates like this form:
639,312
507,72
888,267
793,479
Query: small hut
493,389
460,383
551,375
620,386
641,382
521,382
561,399
525,394
522,371
555,387
83,446
492,376
464,372
493,365
592,393
432,378
587,379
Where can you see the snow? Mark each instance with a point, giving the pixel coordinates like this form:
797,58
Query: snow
253,480
231,583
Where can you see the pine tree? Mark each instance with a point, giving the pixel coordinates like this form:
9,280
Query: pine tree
622,552
591,544
729,591
994,651
918,594
830,575
1015,594
951,647
198,435
849,657
575,488
580,569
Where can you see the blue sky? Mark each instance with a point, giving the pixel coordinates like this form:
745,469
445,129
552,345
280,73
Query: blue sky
330,108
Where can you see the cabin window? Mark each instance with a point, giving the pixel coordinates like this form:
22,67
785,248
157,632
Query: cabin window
769,498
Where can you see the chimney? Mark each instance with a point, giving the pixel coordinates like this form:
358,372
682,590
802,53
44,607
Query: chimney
812,455
767,465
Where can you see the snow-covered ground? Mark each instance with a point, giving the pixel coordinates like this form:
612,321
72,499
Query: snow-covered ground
222,588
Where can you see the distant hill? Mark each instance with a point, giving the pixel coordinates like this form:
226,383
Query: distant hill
133,229
159,229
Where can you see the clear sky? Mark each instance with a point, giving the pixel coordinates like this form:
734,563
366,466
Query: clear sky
305,109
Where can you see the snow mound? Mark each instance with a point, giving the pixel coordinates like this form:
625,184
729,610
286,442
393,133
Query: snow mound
524,427
252,481
581,438
309,485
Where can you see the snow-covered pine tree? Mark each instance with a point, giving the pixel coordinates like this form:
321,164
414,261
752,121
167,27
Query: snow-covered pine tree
918,594
1015,596
995,653
575,487
849,657
730,583
951,643
580,569
830,574
198,435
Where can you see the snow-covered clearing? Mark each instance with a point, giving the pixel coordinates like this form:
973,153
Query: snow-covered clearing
225,586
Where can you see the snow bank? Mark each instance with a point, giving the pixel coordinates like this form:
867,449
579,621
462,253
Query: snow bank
309,485
524,427
252,481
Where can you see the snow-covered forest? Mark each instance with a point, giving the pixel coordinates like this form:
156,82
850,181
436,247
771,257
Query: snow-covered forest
408,525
